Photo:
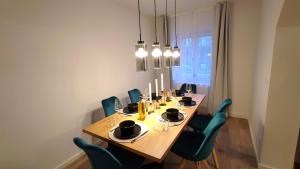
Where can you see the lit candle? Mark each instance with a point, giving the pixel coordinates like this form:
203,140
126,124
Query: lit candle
150,93
162,82
156,88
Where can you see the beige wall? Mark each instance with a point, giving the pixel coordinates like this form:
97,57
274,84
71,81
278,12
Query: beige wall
245,16
57,60
283,117
270,11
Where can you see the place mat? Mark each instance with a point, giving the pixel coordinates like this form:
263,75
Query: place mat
174,123
144,128
121,111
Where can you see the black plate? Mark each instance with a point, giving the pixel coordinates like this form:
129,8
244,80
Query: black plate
193,103
180,117
126,110
137,131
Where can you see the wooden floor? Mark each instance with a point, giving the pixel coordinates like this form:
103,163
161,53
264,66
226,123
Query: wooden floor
234,149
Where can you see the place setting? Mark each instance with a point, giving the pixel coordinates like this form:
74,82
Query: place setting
173,117
130,110
128,131
187,101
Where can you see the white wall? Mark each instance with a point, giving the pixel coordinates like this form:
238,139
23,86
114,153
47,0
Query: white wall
244,22
282,116
270,11
57,60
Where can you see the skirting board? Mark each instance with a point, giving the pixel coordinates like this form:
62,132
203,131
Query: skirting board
238,115
253,142
70,160
262,166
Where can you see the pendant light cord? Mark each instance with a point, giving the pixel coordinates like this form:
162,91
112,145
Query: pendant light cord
167,42
175,23
140,20
155,22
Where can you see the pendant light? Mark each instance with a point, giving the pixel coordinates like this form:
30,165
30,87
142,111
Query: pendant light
167,48
156,51
176,50
140,48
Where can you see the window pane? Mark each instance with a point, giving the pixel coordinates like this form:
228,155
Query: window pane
196,57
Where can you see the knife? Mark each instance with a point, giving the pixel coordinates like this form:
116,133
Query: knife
132,141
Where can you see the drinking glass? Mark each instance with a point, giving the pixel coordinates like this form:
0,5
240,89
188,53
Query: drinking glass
188,88
118,104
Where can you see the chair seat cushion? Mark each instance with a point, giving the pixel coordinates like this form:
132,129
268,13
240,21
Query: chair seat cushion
187,144
129,160
200,121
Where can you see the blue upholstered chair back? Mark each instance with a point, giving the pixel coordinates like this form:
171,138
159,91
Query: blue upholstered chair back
223,107
210,134
134,95
183,86
109,105
99,157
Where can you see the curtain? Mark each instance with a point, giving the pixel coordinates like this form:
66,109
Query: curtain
219,74
194,33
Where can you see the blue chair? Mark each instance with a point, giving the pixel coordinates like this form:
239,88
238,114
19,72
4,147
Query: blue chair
109,158
200,121
198,146
134,95
183,88
109,105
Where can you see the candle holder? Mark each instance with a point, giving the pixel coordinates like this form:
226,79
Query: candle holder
163,99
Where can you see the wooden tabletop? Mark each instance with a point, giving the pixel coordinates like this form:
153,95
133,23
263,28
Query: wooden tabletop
155,144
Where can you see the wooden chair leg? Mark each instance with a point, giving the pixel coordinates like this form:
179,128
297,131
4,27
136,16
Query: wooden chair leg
215,158
206,164
182,162
197,165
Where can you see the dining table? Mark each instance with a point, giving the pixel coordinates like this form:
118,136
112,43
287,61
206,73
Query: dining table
155,144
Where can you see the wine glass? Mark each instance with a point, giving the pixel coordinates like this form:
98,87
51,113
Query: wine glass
188,88
118,104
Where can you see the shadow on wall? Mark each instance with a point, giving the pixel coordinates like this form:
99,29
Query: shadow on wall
98,114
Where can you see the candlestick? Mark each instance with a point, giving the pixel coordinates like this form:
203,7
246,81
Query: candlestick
162,81
156,88
150,93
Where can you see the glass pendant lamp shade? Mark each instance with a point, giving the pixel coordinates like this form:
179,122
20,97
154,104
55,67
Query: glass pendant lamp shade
168,56
176,51
141,56
176,56
156,50
140,48
156,54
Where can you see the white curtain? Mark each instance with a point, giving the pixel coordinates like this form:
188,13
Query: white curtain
219,82
194,33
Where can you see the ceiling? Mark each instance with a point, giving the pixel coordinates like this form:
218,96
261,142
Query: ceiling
147,6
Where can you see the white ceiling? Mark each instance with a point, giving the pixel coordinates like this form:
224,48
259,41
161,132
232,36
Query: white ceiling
147,6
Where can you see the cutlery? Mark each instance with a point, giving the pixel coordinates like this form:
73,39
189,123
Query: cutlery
139,136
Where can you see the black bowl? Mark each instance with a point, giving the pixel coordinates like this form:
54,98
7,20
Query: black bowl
187,100
132,107
172,113
178,93
127,127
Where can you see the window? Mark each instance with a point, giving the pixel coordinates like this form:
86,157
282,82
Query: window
196,58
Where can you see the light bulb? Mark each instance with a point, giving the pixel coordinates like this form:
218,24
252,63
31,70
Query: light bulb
141,52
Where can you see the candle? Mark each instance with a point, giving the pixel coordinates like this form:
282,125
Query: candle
156,88
162,82
150,93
